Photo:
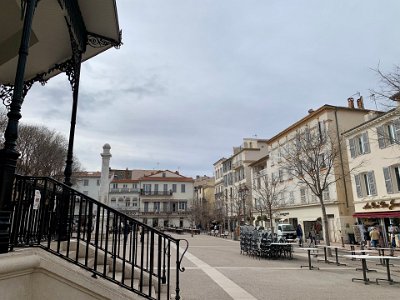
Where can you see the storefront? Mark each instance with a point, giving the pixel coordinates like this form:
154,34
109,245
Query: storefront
383,220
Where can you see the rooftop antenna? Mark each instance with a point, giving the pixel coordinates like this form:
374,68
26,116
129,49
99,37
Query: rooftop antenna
357,93
373,98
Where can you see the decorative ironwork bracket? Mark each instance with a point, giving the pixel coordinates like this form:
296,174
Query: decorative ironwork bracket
98,41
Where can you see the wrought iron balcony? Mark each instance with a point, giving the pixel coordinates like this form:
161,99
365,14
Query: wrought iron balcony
124,190
155,193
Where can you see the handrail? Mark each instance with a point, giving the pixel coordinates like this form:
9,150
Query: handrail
98,238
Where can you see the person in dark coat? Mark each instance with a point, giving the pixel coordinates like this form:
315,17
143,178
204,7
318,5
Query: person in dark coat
299,232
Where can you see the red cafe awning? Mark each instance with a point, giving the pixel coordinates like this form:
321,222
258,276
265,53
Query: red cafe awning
377,215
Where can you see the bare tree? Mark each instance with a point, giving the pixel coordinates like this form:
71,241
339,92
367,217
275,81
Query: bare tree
389,87
42,151
311,157
266,190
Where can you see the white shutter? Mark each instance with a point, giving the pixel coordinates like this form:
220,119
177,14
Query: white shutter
388,180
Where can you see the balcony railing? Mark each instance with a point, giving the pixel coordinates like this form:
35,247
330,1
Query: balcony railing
124,190
95,237
156,193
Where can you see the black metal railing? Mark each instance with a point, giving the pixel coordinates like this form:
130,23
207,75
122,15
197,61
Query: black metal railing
155,193
100,239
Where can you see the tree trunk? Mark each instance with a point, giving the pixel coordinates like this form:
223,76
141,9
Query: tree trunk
325,225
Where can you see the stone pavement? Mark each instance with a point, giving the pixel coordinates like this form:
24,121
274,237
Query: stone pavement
215,269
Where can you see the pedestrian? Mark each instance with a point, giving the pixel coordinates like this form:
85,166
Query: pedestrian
299,232
312,236
374,234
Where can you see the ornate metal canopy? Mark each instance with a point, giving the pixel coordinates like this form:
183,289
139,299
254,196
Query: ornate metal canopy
93,25
38,40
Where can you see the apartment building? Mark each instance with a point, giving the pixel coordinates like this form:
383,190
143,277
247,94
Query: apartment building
87,183
204,201
298,205
165,199
233,191
155,197
374,148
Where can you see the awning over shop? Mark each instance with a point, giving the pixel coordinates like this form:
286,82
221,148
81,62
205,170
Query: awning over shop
377,215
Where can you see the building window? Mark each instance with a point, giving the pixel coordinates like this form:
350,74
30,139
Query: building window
182,205
146,206
365,184
165,187
98,182
174,187
359,145
392,179
156,188
388,134
291,197
183,188
147,188
325,194
115,185
157,206
85,182
303,195
127,202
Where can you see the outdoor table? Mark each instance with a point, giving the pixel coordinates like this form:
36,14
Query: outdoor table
310,267
364,266
372,257
363,252
381,252
336,255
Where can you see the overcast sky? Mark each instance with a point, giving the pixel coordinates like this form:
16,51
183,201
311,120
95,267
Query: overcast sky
194,77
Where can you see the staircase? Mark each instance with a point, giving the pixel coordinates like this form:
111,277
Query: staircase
95,237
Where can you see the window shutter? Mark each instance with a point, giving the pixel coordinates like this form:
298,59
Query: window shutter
371,182
397,130
358,185
388,180
366,142
381,137
352,148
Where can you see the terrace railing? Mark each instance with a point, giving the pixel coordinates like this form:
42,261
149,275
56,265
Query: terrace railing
51,215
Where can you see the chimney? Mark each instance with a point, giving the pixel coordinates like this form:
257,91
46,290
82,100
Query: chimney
350,102
360,103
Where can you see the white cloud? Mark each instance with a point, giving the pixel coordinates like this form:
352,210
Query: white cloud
194,77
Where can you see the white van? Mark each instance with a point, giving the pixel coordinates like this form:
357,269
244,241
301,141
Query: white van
286,231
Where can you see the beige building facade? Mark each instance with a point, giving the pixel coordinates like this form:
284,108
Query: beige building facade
298,205
374,148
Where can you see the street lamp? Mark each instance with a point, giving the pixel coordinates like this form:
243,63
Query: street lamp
243,192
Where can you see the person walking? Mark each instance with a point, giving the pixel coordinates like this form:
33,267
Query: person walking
374,234
299,232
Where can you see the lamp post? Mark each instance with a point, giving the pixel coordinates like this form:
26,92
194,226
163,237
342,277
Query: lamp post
243,192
